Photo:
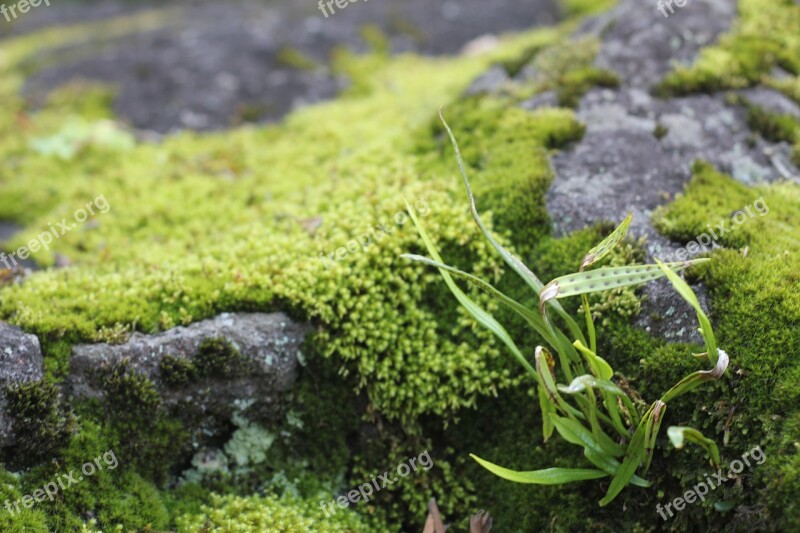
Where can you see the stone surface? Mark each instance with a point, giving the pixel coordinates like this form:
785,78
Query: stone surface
271,342
20,361
232,51
621,165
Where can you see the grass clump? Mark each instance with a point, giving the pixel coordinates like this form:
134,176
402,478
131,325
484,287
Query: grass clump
591,405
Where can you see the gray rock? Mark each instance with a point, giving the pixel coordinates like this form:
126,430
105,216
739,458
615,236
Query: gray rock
269,342
488,82
545,99
772,101
641,45
20,362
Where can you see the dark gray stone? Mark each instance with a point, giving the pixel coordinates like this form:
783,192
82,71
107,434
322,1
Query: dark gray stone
20,362
271,342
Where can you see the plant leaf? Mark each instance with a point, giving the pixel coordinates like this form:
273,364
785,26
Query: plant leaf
696,379
586,381
633,457
548,476
601,250
605,278
597,364
477,312
678,435
688,294
516,265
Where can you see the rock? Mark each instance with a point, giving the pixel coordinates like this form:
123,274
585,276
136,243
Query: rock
488,82
269,345
20,361
545,99
772,101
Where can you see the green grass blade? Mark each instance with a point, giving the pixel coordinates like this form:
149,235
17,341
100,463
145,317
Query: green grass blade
478,313
599,367
688,294
633,457
606,278
679,435
516,265
534,319
606,245
548,476
653,425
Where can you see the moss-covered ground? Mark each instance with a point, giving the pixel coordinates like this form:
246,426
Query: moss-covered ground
247,219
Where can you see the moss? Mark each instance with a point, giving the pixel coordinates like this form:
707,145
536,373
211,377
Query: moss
765,36
148,438
114,493
41,422
771,126
565,68
587,7
756,310
218,357
256,514
26,520
294,58
177,371
660,131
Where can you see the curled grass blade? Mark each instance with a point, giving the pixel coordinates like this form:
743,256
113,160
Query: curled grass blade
653,425
593,256
696,379
679,435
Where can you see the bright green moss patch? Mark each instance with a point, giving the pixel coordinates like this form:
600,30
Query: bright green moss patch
269,513
765,36
753,288
241,220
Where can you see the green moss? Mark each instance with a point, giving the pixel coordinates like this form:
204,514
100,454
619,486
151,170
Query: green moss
773,127
753,287
113,493
292,57
268,513
218,357
133,409
26,520
41,422
766,35
177,371
587,7
660,131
